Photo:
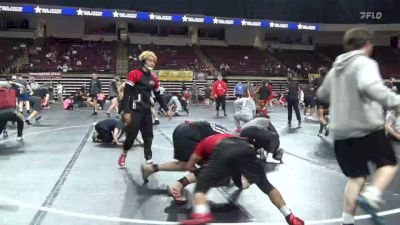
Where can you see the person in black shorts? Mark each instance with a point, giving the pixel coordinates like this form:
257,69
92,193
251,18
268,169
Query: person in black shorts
323,112
224,155
113,95
292,90
185,138
264,93
309,101
94,90
357,95
108,130
36,106
323,107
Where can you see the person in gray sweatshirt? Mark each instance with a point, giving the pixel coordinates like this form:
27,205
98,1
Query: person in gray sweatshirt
245,110
357,95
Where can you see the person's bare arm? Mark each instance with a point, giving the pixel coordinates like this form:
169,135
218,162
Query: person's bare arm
191,164
117,135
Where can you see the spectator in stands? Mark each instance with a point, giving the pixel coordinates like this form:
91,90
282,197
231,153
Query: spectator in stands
60,91
224,67
94,89
65,68
238,91
220,91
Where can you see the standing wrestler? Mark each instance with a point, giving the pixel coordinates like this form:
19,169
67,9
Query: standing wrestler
137,103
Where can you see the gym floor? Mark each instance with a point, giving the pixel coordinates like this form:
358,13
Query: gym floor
57,175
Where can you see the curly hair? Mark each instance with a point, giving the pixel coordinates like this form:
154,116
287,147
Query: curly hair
147,54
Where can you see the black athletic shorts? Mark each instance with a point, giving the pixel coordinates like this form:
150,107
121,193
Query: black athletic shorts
232,157
309,101
36,103
185,141
322,104
353,154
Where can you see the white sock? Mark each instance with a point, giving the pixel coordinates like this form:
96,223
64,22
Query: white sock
149,161
347,218
202,209
372,193
285,211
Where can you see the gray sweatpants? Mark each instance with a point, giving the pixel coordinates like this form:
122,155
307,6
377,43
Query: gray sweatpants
241,118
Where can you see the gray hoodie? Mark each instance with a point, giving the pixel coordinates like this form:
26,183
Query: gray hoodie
356,92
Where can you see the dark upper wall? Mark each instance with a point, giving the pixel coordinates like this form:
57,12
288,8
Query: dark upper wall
318,11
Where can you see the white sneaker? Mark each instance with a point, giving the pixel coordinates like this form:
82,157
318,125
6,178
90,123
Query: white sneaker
372,200
19,138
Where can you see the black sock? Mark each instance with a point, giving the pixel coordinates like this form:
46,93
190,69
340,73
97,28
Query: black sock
184,181
321,127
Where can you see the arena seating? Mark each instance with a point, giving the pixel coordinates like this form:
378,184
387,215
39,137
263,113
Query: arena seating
387,57
388,60
244,61
169,57
308,61
10,51
77,55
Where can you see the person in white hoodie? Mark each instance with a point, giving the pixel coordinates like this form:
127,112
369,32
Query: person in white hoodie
357,95
245,110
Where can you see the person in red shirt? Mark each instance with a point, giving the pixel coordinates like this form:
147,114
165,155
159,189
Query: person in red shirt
220,91
225,155
137,103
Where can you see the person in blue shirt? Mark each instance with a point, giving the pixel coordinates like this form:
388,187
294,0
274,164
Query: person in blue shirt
239,90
